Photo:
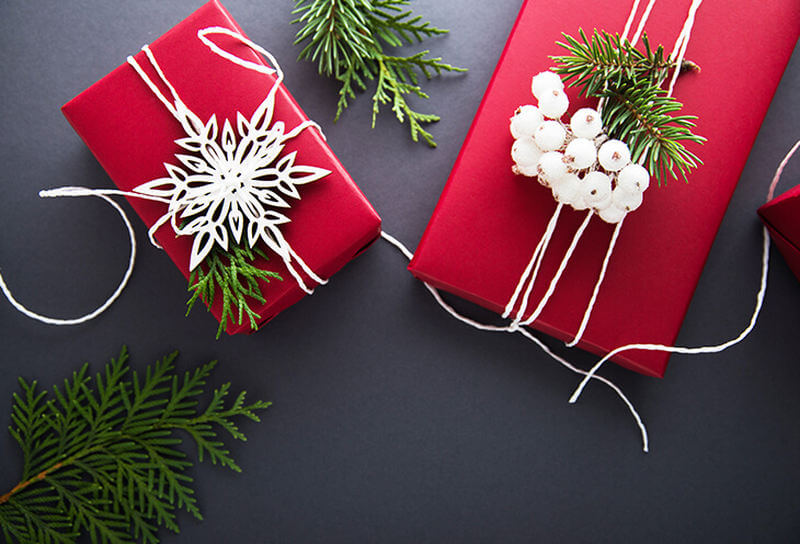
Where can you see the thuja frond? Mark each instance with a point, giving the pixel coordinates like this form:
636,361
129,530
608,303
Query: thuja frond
636,109
233,273
346,38
102,457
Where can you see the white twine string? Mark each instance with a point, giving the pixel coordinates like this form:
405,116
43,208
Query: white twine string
725,345
629,22
554,282
536,261
642,22
600,278
679,51
75,192
527,334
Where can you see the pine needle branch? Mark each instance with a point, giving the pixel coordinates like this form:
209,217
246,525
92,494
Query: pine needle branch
101,456
636,109
234,273
346,38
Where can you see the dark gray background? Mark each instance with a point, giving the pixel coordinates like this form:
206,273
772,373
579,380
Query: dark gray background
392,422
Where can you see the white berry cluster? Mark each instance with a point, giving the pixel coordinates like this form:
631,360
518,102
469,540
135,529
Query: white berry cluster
582,166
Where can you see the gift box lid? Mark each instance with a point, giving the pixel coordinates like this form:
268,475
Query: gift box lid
132,135
781,216
488,220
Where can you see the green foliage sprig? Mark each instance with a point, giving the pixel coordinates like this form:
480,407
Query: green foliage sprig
233,273
346,38
636,109
101,456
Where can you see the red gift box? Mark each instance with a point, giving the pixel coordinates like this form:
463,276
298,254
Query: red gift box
488,220
132,135
781,216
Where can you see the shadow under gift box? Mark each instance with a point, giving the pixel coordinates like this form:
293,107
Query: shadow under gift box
132,135
488,220
781,215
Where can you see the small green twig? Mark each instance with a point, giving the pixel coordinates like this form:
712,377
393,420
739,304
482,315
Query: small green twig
347,38
234,273
636,110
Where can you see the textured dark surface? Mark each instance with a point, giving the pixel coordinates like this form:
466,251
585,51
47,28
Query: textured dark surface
393,422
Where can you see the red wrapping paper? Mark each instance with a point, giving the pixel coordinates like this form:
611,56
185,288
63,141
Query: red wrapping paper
781,216
132,134
488,220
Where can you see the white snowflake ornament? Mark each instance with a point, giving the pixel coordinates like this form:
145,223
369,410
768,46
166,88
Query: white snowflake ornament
232,184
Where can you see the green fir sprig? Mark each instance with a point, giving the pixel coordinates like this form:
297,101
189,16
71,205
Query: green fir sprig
635,109
102,457
346,38
232,273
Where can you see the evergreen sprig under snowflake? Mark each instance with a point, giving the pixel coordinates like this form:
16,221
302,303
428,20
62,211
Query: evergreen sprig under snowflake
101,456
346,38
234,276
635,109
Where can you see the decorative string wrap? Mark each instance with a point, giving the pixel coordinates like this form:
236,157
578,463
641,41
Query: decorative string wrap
557,153
591,374
229,184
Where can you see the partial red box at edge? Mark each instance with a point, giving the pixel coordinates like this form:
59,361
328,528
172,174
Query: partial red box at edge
488,220
132,134
781,216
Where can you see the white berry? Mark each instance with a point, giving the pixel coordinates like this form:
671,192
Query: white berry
626,200
612,214
567,189
603,204
529,170
524,152
553,103
579,203
525,121
550,136
551,166
634,178
614,155
580,153
596,187
586,123
545,81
